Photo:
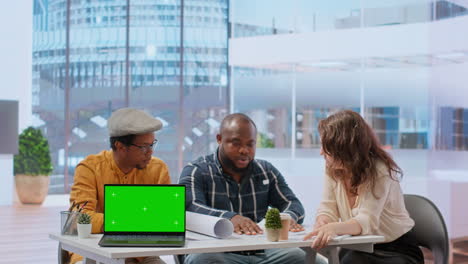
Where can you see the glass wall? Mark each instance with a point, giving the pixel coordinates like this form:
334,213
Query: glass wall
400,63
204,101
154,68
170,58
91,57
394,93
265,94
49,80
97,77
270,17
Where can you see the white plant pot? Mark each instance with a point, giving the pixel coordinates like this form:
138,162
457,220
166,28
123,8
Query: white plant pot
273,234
84,230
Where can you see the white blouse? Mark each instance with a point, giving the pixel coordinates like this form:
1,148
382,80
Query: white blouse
385,215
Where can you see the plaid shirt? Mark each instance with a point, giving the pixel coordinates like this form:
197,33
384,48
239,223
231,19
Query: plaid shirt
212,192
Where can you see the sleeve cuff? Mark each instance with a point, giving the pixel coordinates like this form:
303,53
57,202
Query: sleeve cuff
293,215
365,230
228,215
332,217
97,223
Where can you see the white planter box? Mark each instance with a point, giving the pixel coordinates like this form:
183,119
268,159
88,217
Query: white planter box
84,230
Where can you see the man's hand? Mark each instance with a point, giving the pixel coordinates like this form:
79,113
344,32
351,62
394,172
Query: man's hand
295,227
243,225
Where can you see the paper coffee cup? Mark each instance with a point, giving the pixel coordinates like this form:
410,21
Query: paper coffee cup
285,222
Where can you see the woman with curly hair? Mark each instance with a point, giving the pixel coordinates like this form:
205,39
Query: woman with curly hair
362,194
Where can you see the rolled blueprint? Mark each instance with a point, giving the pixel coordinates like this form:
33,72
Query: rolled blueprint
209,225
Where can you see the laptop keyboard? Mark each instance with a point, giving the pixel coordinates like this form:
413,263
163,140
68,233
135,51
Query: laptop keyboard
143,238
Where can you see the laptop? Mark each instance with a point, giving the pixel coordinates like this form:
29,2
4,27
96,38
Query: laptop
144,215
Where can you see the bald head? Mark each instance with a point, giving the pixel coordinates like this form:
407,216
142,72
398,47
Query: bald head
235,120
237,140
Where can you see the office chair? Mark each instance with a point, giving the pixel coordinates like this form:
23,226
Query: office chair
429,229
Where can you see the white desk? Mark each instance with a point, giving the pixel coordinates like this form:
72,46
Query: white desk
89,247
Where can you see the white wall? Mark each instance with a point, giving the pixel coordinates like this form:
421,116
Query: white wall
15,75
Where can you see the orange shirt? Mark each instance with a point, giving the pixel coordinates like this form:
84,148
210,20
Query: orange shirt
96,170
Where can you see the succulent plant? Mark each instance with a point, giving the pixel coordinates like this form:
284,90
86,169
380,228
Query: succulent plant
84,219
273,219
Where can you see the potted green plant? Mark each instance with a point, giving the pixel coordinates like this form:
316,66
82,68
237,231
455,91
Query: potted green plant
263,141
84,225
32,167
273,224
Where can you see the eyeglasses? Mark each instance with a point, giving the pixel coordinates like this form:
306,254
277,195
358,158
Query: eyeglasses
147,148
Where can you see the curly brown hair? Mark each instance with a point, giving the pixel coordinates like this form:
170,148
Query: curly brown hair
350,141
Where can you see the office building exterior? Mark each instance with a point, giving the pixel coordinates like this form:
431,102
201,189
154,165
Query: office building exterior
91,57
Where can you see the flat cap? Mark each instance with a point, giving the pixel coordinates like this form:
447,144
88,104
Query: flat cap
130,121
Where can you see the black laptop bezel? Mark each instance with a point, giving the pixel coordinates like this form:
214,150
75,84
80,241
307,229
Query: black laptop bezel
146,233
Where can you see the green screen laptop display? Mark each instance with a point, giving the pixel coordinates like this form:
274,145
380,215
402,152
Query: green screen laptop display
144,208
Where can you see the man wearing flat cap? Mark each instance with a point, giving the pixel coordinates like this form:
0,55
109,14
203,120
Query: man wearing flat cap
129,161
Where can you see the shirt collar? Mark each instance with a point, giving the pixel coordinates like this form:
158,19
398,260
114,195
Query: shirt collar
216,160
113,164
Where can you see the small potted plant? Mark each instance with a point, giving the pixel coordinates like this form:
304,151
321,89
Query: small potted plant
84,225
32,167
273,224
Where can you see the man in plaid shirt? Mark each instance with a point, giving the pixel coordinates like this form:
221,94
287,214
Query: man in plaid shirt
232,184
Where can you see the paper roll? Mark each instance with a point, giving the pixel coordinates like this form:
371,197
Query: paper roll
209,225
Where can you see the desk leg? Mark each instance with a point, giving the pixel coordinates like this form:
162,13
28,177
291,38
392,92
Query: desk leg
310,255
92,256
331,252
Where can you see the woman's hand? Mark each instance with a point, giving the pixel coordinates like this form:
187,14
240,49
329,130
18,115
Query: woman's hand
324,235
321,220
327,232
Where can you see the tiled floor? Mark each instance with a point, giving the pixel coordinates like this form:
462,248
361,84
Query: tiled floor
24,234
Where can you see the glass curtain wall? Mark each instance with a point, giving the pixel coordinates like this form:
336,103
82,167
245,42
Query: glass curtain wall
97,76
49,80
270,17
400,64
91,57
154,69
169,57
205,98
396,95
265,94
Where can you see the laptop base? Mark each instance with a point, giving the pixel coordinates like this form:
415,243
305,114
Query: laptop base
153,241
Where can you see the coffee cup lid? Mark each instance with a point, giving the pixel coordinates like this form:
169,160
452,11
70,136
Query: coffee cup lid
285,216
